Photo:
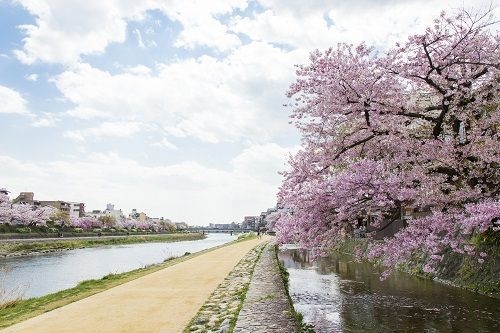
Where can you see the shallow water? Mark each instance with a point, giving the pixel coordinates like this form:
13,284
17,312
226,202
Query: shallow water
38,275
337,294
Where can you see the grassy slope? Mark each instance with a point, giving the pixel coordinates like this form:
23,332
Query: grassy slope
25,247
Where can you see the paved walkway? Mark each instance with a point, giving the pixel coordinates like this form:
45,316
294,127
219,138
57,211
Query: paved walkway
163,302
266,307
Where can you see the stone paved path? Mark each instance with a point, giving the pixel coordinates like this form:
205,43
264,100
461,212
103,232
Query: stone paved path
266,307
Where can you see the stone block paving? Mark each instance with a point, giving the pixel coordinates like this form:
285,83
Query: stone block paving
266,307
223,305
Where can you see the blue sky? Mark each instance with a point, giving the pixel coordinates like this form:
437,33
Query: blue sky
170,107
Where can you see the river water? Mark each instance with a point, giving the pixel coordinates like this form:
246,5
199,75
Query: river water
38,275
337,294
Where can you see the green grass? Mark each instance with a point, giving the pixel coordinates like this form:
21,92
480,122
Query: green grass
25,309
25,247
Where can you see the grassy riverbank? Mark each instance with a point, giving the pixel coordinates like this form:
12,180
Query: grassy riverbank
31,247
24,309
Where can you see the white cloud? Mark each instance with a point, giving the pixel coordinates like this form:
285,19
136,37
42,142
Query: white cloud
106,129
263,161
32,77
201,23
138,36
164,143
206,98
139,70
321,24
207,31
11,101
65,30
74,136
47,120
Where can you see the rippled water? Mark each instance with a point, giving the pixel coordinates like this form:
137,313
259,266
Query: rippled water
44,274
337,294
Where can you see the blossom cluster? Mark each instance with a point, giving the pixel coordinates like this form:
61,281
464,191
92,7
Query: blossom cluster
418,127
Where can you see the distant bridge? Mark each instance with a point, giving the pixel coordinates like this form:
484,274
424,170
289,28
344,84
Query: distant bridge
217,230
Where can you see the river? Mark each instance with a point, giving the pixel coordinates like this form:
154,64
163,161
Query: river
337,294
38,275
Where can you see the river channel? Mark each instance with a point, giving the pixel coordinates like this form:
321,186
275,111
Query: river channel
40,275
337,294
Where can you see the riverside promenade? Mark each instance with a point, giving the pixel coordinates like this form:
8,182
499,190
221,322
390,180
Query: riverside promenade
162,302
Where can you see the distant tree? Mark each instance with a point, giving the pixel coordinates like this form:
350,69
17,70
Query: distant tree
86,222
417,126
60,218
5,208
108,221
168,226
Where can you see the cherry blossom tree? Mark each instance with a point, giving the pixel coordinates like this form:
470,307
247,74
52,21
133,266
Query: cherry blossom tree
23,214
5,208
415,127
29,215
86,222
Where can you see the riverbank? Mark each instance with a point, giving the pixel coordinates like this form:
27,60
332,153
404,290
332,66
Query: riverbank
164,300
456,270
33,247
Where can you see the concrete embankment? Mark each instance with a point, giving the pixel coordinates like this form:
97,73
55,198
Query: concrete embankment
164,301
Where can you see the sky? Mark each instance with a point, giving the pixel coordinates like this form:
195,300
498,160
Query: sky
171,107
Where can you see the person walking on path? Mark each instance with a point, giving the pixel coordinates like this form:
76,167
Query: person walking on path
163,301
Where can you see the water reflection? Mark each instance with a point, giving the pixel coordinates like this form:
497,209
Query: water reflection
44,274
337,294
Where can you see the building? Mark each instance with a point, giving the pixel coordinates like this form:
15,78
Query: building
63,206
250,223
73,209
135,215
95,214
111,211
77,209
26,198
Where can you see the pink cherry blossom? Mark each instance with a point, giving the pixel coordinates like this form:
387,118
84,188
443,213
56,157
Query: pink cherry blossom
416,127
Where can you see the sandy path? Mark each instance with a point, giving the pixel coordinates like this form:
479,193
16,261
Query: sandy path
164,301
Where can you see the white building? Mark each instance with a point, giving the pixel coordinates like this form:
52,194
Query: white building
111,211
75,209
